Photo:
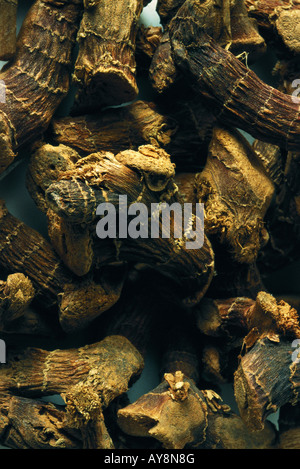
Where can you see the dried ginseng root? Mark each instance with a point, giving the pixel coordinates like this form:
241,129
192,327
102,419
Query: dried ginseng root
172,127
115,129
179,415
239,97
232,278
226,22
16,294
35,424
38,77
236,193
228,323
272,160
16,313
105,68
268,374
146,177
278,21
8,28
78,301
223,323
87,378
44,167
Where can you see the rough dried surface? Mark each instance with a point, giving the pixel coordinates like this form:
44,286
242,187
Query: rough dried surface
128,265
88,379
247,99
57,289
144,176
265,380
106,367
34,424
235,202
16,294
105,67
8,27
278,21
38,77
225,22
116,129
210,424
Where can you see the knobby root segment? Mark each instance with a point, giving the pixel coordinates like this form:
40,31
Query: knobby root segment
38,77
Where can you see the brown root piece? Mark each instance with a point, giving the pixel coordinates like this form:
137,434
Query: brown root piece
283,220
38,77
34,424
196,420
226,22
147,41
17,316
83,301
162,71
272,160
234,324
268,373
231,278
57,289
45,165
115,129
88,378
242,99
16,294
72,242
177,413
279,22
24,250
237,317
105,67
271,318
8,28
145,176
173,127
235,202
224,317
266,379
246,40
84,411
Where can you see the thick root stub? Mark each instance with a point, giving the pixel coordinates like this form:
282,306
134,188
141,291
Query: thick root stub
236,193
84,413
8,28
266,379
196,419
105,67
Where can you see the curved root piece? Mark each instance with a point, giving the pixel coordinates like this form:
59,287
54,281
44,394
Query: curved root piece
240,98
37,79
